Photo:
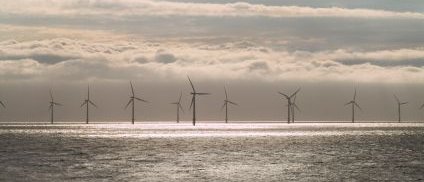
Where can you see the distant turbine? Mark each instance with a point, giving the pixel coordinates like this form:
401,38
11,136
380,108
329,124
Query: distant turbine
193,100
226,101
178,105
354,104
51,107
294,106
289,103
87,102
399,105
132,102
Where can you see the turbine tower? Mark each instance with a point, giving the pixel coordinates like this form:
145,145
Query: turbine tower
87,103
178,105
193,100
132,102
226,101
399,106
294,106
289,103
51,107
354,104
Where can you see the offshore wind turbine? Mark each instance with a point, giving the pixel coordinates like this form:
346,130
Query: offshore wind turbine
178,105
132,102
87,103
51,107
353,104
289,103
193,100
294,106
399,103
226,101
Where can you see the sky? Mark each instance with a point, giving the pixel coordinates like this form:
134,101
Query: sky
254,48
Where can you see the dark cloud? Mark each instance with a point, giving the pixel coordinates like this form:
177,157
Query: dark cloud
39,57
164,57
384,63
259,66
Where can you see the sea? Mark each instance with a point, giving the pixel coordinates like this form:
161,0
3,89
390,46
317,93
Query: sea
244,151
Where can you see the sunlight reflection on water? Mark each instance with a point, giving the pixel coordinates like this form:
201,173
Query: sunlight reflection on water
141,130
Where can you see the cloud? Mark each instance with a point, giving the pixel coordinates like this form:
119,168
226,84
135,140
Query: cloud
74,60
114,9
164,57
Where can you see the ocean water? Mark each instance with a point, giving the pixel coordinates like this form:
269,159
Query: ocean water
212,152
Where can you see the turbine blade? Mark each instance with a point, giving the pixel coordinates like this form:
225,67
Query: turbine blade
141,99
357,105
2,104
181,107
203,93
226,95
232,103
422,106
403,103
286,96
59,104
129,102
88,92
222,107
354,95
50,107
295,93
181,94
173,103
397,99
191,104
92,103
191,83
51,95
348,103
132,89
83,103
295,106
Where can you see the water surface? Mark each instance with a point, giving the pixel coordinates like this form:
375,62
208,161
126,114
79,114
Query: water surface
212,152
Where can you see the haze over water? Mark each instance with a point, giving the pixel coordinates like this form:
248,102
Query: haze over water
211,152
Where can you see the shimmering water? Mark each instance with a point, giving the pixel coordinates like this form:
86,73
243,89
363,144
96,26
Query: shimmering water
211,152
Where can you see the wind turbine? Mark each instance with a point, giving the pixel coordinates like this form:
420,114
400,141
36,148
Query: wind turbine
289,103
132,102
51,107
226,101
178,104
193,100
87,103
354,104
399,105
294,106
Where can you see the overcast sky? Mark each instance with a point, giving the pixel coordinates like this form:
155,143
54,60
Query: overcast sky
255,48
